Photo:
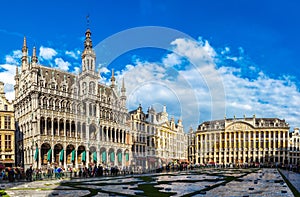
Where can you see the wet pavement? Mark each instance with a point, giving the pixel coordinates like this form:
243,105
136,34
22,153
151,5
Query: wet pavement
201,182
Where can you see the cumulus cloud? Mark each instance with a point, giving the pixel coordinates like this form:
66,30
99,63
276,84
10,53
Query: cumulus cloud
73,54
47,53
13,58
188,92
61,64
7,77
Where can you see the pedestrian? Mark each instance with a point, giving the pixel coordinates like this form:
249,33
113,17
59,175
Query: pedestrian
29,174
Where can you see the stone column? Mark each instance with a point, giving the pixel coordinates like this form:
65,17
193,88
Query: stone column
46,130
76,159
52,154
259,148
39,160
279,145
87,157
65,158
230,148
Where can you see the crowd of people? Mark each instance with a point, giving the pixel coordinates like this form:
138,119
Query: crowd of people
17,173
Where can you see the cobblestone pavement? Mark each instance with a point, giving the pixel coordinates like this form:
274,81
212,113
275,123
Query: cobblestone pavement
293,177
203,182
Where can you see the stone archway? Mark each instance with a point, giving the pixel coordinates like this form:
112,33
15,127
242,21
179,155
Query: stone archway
127,158
111,156
46,154
70,154
93,155
103,155
58,154
81,155
119,157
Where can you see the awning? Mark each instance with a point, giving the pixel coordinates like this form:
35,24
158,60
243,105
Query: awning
95,156
36,154
119,157
127,156
103,156
61,155
49,154
73,155
112,156
83,158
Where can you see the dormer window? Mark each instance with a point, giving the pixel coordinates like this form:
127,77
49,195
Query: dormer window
64,88
53,85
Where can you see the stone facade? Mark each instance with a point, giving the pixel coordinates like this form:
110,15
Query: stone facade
7,130
294,153
157,141
242,140
70,120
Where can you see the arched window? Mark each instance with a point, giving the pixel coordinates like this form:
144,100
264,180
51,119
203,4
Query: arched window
84,88
92,88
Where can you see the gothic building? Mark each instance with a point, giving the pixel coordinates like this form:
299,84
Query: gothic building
157,141
70,120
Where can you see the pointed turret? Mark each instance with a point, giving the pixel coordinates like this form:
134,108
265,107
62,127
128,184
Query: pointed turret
112,79
34,58
123,94
88,55
24,55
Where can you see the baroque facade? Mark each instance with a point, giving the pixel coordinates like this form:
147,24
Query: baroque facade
157,141
70,120
7,130
242,140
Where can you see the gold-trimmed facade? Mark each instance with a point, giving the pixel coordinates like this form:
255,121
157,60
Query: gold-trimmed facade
242,140
7,130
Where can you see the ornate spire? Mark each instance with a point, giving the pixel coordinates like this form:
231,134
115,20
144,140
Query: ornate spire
123,89
17,70
88,41
34,58
112,79
24,44
24,57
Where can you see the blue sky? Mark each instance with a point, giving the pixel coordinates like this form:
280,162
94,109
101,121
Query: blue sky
252,45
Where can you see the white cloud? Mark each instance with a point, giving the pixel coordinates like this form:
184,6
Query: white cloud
7,77
61,64
171,60
47,53
73,54
104,70
189,92
14,58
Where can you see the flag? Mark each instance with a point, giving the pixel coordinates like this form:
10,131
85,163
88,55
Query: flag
83,156
36,155
49,154
73,155
61,155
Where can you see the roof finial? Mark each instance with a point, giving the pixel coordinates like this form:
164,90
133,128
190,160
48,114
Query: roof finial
112,79
24,42
88,21
34,58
